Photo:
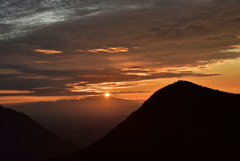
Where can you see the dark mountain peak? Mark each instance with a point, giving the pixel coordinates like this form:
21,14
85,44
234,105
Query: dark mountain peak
22,138
181,86
183,82
184,91
182,121
182,97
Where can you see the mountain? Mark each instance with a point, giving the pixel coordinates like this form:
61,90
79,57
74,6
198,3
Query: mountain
182,121
80,121
22,139
79,129
96,105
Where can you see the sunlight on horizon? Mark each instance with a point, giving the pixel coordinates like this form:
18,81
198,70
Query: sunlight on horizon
107,94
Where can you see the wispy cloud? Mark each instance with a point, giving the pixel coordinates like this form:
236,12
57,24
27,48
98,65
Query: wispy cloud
24,17
15,92
45,88
32,77
9,71
48,51
137,74
130,80
235,46
103,87
27,99
80,50
237,50
110,50
76,84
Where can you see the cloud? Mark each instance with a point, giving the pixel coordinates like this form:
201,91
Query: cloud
153,39
130,80
137,74
235,46
107,50
65,82
31,77
47,51
9,71
103,87
10,100
45,88
26,16
237,50
80,50
110,50
176,33
15,92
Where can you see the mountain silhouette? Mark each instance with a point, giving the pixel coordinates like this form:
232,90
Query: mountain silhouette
79,121
182,121
22,139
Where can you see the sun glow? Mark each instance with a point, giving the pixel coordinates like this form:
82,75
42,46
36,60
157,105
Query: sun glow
107,94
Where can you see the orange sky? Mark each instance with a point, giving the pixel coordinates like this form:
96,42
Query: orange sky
129,49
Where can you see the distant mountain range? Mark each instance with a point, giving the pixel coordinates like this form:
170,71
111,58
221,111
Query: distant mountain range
22,139
79,121
95,106
182,121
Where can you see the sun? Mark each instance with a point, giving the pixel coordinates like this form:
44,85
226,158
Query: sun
107,94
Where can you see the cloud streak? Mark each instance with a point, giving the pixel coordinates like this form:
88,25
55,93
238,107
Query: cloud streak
110,50
15,92
26,16
48,82
47,51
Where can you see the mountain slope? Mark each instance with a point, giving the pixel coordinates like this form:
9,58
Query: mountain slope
79,121
22,139
182,121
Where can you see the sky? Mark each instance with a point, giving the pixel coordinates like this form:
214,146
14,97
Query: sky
72,49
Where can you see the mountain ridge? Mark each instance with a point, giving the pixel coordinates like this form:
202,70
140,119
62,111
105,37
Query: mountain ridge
22,139
182,121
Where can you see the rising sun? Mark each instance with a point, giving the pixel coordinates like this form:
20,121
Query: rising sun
107,94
